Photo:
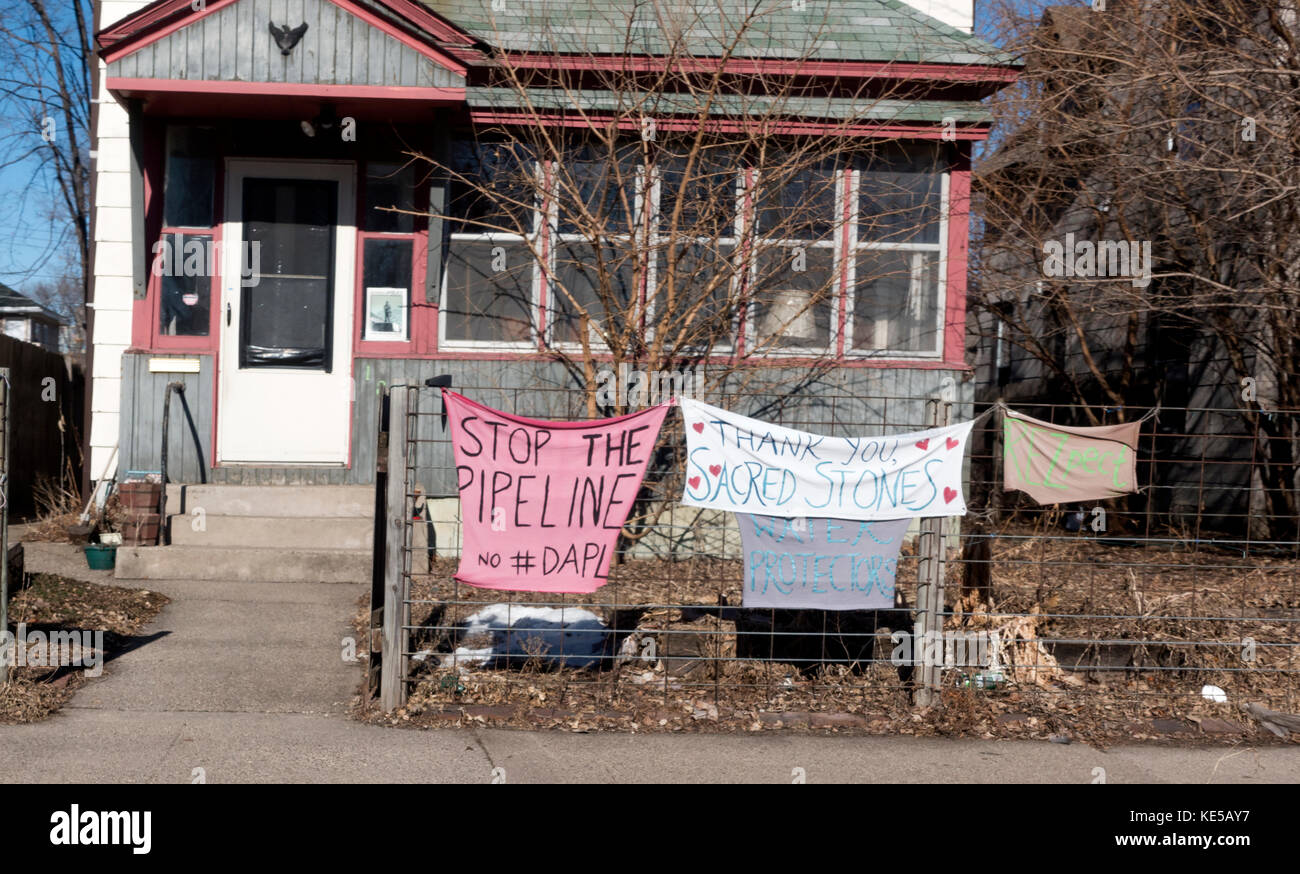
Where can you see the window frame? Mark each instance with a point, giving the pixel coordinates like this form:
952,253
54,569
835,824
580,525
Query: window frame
417,316
742,340
537,284
854,247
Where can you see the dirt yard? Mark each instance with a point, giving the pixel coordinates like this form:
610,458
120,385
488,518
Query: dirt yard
1097,642
53,603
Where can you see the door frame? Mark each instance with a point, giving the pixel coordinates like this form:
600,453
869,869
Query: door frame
345,250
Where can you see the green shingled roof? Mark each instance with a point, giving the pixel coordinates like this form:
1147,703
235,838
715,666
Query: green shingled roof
844,30
837,109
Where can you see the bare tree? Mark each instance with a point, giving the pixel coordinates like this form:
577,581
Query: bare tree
1168,127
693,210
45,76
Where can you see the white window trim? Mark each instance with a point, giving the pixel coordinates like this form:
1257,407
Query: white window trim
657,241
941,283
534,291
752,344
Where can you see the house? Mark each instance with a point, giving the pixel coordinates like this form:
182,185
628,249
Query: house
25,319
264,235
1111,278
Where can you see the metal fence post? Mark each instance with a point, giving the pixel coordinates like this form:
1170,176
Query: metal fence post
392,693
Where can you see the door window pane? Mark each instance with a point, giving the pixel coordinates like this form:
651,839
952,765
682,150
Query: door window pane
387,186
184,303
188,177
387,284
286,316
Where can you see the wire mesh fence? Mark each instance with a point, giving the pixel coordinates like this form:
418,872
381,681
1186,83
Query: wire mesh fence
1096,614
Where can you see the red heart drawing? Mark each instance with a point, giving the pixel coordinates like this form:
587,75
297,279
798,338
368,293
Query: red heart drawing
952,444
715,469
699,427
694,481
923,444
948,494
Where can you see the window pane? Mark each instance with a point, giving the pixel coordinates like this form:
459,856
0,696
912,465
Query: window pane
489,291
389,185
900,198
797,202
600,279
896,301
707,196
387,280
692,306
493,184
792,305
189,174
595,192
185,262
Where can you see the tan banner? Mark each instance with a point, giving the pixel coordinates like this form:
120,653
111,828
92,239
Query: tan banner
1056,464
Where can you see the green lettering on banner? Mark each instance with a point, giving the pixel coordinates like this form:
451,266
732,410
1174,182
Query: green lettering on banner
1060,447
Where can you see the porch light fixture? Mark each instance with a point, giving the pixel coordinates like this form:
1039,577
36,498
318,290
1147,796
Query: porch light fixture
326,120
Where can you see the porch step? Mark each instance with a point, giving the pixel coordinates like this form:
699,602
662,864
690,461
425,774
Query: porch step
302,501
329,532
243,564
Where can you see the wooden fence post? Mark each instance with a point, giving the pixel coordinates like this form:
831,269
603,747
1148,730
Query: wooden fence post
392,693
929,647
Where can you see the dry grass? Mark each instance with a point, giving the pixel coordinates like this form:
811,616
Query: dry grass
55,603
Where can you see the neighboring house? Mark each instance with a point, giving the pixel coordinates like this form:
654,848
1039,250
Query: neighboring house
217,125
1116,341
25,319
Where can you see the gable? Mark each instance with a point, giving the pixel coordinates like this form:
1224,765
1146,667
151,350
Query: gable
345,43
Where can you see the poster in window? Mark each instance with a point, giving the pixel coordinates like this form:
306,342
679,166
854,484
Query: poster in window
386,313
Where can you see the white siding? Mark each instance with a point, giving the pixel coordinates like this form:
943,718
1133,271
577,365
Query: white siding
112,267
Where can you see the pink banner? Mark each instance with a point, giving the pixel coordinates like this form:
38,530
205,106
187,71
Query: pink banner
541,502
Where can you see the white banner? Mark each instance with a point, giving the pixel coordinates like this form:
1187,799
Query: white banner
746,466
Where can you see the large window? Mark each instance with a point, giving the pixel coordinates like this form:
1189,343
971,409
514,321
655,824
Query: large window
490,277
817,256
896,246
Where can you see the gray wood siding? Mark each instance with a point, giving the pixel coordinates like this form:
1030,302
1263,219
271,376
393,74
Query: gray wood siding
140,434
845,402
234,44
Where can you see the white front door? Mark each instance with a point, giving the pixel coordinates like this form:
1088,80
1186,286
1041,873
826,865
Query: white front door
288,252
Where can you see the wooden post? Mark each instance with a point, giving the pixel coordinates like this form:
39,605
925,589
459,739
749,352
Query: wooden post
930,588
392,685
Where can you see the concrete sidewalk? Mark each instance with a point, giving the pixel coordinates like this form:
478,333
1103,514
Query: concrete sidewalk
248,684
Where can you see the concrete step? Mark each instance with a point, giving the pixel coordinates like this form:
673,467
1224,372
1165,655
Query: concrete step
187,562
301,501
340,532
